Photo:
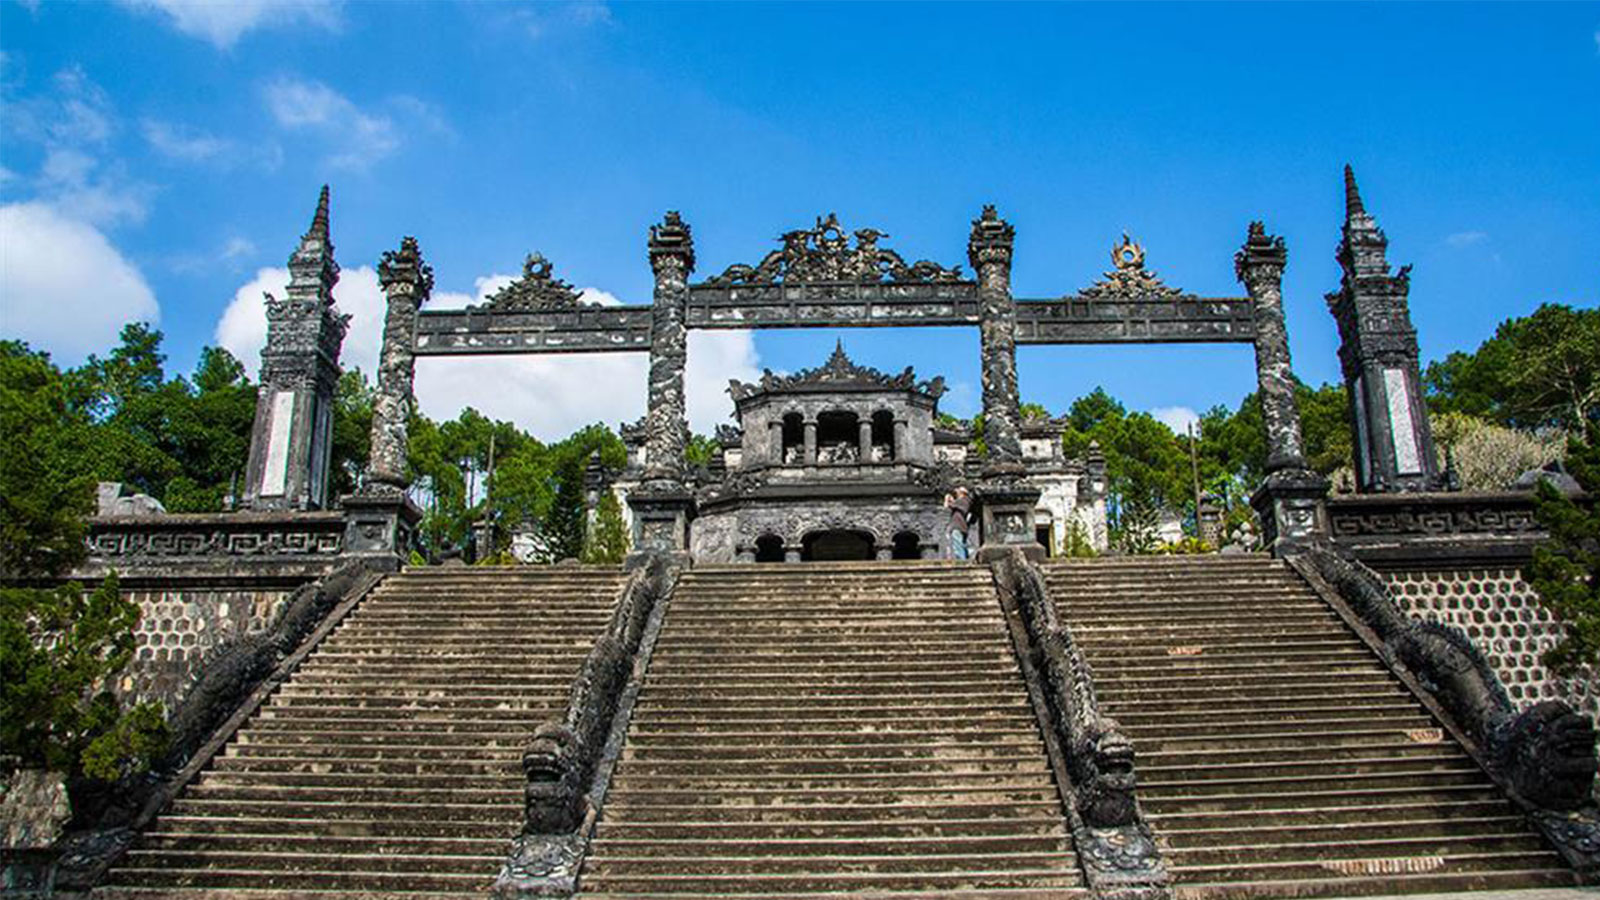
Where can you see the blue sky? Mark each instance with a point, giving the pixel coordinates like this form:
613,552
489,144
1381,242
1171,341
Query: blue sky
161,158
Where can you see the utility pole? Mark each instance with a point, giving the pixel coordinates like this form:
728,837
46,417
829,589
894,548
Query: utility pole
1194,470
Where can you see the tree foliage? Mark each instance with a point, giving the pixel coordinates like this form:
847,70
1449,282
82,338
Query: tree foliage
1539,370
1566,569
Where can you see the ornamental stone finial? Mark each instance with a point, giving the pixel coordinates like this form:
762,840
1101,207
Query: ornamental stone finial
1352,195
312,269
991,239
672,242
1262,257
405,267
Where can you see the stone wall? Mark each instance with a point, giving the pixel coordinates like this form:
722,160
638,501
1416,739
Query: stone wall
179,626
1503,616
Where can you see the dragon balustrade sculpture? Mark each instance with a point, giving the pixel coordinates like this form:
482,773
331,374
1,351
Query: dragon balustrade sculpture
562,762
1112,836
1545,753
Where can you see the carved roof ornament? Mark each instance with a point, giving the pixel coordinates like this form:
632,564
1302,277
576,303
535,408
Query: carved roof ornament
536,291
1128,278
824,254
838,372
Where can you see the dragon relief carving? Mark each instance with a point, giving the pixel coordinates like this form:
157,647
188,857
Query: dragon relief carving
538,290
824,254
1128,279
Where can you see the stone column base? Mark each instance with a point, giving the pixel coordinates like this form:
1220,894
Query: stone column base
1005,508
380,528
1289,503
661,515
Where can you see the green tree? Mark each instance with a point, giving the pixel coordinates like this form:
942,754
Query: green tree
1538,370
351,434
61,650
45,488
607,542
1566,569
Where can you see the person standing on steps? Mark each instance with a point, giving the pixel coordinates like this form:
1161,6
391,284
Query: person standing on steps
959,506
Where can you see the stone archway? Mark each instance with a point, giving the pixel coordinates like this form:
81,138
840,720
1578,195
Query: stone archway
837,545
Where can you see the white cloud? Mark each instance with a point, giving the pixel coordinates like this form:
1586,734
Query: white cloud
355,139
223,22
63,286
237,247
74,112
1466,238
242,330
548,395
79,186
181,143
1178,418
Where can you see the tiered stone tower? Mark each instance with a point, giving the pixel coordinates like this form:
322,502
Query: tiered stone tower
291,444
1378,352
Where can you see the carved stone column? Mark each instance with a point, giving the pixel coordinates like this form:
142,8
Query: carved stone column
1290,499
775,439
407,281
1390,431
291,444
900,427
989,251
864,440
662,505
811,442
1005,500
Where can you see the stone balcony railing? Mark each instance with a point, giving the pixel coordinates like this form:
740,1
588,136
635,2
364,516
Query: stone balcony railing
186,546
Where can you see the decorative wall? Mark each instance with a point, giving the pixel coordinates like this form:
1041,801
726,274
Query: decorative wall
1502,615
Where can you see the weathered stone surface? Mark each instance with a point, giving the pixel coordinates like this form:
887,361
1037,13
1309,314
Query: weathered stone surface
672,260
34,809
407,281
291,444
1378,353
989,251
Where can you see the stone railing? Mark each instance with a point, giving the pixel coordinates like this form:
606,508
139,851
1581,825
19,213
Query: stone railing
1543,755
1114,842
569,761
290,545
1402,528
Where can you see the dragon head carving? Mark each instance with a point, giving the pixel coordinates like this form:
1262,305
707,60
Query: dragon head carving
1549,755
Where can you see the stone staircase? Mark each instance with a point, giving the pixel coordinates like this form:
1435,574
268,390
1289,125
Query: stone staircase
1276,755
388,764
833,729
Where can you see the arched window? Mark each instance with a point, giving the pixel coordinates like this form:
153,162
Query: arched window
883,436
769,548
838,437
794,439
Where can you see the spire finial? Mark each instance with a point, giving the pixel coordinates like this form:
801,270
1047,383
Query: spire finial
1352,195
319,222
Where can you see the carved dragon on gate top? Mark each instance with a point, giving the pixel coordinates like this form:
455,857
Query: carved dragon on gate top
538,290
1129,279
824,254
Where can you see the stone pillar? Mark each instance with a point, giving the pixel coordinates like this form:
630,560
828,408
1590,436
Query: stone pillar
291,443
989,251
1390,431
407,281
1289,500
662,505
811,442
900,427
864,440
775,433
1004,499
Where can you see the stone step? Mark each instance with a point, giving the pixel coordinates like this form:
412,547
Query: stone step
1356,813
1440,838
1066,883
877,829
1268,798
766,862
271,862
867,845
340,875
919,812
353,845
1332,884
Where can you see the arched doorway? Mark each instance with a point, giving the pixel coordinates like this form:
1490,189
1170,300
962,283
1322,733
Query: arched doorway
836,546
907,545
769,548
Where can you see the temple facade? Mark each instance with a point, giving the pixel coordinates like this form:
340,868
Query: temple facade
843,461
